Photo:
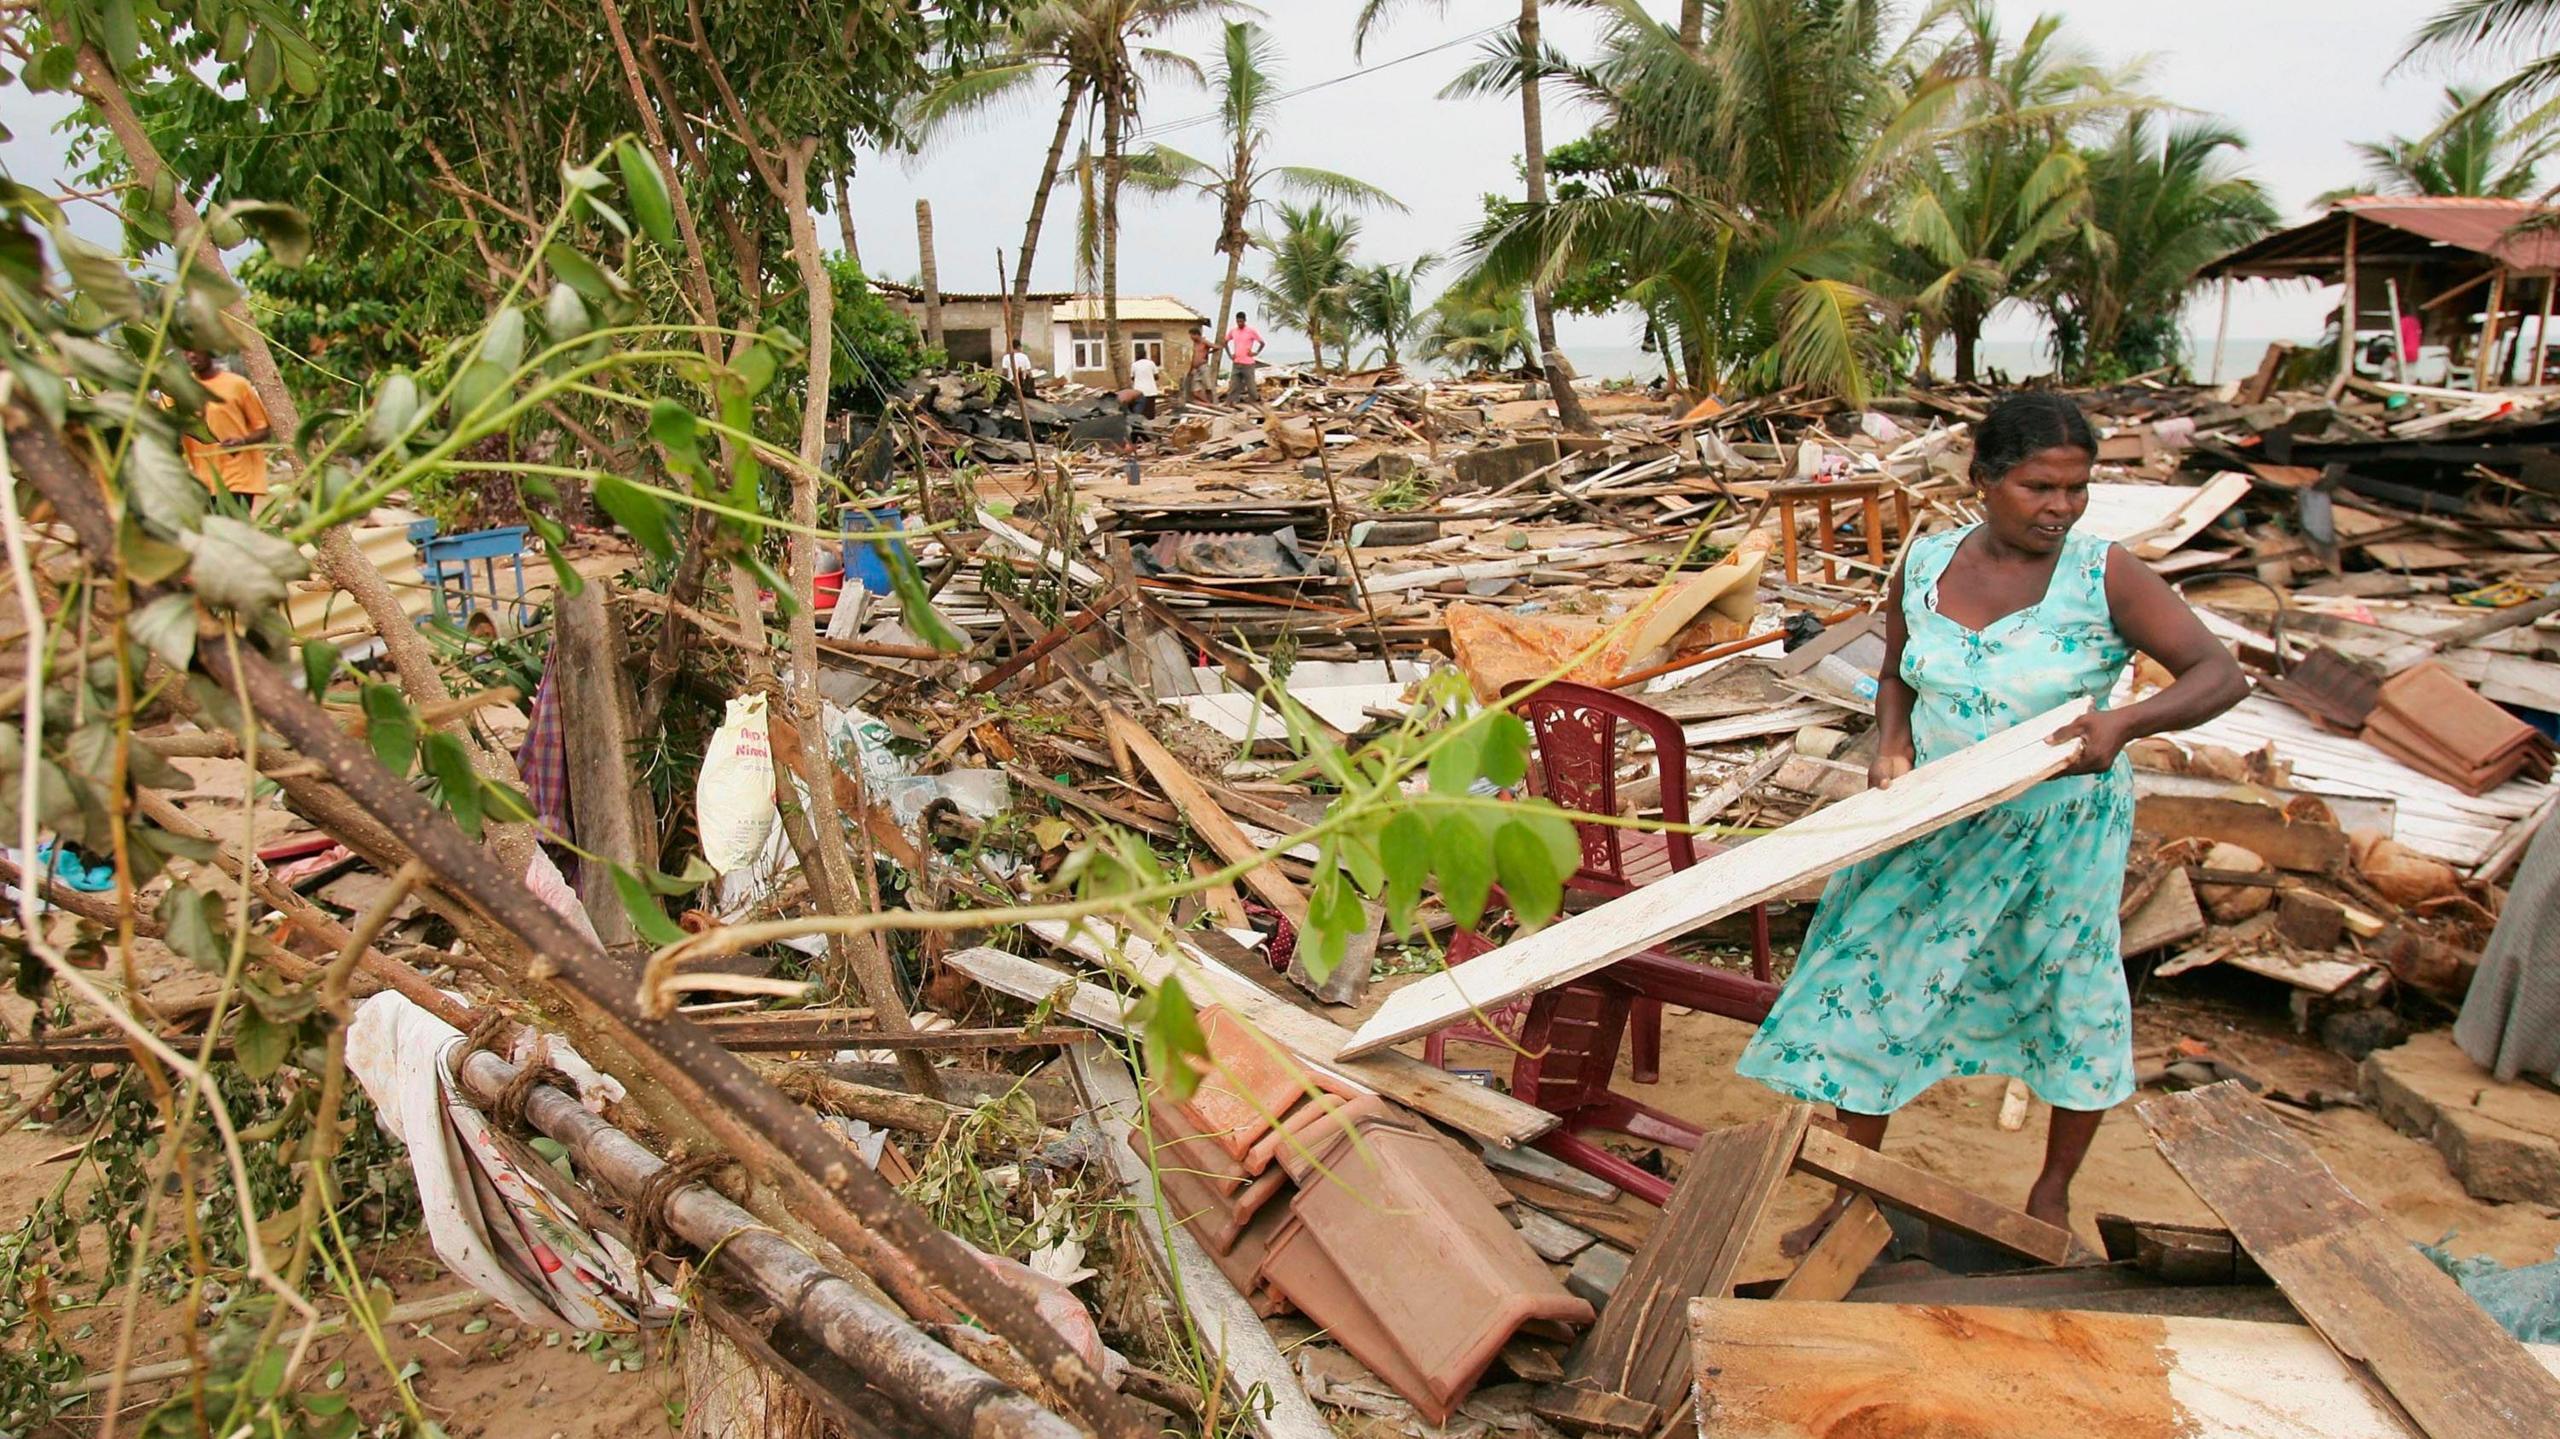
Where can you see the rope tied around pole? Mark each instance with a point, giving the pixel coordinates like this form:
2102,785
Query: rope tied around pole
651,1230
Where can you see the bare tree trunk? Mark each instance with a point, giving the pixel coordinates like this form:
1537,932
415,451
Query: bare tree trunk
1533,135
1040,196
863,955
1115,115
1693,26
930,273
844,222
1966,336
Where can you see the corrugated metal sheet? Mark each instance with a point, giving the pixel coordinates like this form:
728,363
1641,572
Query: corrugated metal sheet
2402,226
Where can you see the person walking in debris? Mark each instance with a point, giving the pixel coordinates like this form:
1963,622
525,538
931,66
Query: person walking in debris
1244,351
1017,367
1146,383
1198,383
1990,947
236,463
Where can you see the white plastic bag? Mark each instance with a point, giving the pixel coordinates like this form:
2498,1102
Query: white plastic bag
733,800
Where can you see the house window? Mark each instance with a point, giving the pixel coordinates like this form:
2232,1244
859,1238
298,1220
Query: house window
1151,348
1092,353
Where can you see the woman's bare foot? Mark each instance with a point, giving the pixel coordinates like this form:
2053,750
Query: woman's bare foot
1796,1242
2051,1206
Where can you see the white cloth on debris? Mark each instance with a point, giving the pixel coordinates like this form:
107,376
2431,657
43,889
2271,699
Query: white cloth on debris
495,1222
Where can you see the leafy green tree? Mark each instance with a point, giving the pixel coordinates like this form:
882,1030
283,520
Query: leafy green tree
1382,305
1983,213
1764,154
1474,326
2475,149
2161,207
2527,30
1243,79
1312,274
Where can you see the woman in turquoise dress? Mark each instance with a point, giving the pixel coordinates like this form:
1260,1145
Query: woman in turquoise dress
1991,946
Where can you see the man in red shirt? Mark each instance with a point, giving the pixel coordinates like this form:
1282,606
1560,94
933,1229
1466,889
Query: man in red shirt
1244,351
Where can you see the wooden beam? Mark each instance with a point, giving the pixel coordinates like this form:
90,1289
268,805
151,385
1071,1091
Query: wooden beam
1640,1346
1080,1000
1831,1268
2380,1304
1914,1190
1207,818
1821,1371
1936,794
612,815
1485,1113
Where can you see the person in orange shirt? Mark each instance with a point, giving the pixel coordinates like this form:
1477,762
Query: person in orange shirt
236,463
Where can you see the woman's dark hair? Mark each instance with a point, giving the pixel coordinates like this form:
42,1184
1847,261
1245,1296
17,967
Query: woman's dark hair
2023,424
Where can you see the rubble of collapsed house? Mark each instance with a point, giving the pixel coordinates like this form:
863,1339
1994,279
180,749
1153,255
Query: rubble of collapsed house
1349,1225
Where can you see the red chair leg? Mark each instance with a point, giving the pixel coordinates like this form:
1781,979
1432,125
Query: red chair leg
1599,1163
1645,1062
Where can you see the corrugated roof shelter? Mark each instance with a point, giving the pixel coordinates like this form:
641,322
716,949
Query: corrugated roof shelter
2475,272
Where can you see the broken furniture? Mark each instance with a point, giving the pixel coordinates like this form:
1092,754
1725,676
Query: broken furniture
1565,1042
1824,494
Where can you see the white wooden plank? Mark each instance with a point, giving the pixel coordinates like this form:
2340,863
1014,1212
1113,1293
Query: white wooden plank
1936,794
1086,1003
1256,1374
1487,1114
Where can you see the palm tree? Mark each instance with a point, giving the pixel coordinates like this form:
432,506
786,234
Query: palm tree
1473,326
1764,154
1530,70
2006,186
2160,209
1094,51
2529,29
1381,303
2474,150
1312,274
1243,80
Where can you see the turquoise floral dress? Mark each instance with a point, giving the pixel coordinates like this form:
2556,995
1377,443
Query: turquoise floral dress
1989,946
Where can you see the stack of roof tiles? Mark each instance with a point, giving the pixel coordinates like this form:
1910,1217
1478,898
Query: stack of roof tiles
2427,718
1353,1212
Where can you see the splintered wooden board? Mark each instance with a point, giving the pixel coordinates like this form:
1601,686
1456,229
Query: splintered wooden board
1935,795
1822,1371
1637,1349
2379,1303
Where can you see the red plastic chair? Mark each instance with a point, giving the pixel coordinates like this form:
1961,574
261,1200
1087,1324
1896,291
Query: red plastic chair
1568,1038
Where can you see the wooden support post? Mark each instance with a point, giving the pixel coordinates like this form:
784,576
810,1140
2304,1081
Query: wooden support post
2484,366
929,273
2542,332
2347,318
1871,514
1787,537
1824,540
2221,332
2400,356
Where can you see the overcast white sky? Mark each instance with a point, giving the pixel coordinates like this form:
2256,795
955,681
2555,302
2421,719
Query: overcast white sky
2300,78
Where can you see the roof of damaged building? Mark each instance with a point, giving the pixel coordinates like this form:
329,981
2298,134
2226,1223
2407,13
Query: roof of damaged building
2517,233
1066,306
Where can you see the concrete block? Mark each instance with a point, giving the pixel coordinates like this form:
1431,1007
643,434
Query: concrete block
2502,1141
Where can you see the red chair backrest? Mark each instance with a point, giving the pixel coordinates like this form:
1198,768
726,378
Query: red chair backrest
1576,729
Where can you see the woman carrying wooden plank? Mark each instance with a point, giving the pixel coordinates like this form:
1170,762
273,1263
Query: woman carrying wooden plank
1991,946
